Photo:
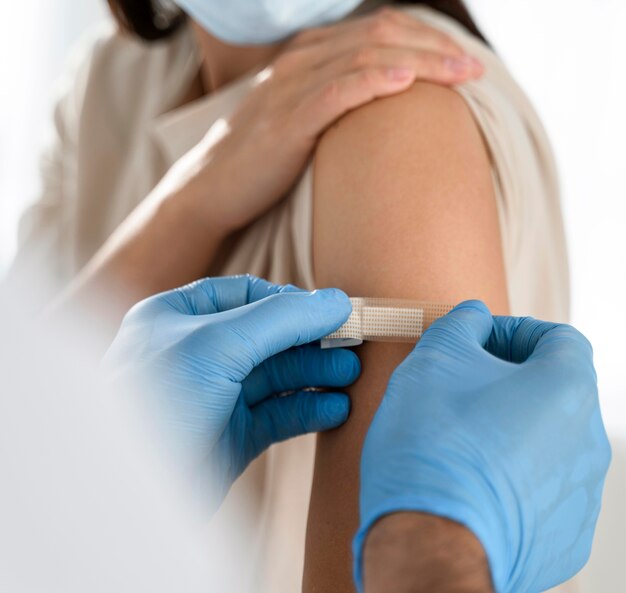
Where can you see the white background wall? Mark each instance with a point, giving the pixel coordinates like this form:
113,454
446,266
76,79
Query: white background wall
568,54
35,40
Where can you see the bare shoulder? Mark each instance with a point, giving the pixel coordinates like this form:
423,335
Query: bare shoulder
438,112
402,185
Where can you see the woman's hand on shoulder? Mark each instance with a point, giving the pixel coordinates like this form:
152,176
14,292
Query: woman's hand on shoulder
247,163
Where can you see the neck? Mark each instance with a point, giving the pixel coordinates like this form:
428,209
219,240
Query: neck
223,63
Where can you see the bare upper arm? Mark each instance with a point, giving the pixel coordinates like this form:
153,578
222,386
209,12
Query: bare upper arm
404,203
404,207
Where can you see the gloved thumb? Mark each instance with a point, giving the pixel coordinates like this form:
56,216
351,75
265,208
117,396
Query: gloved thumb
469,323
287,319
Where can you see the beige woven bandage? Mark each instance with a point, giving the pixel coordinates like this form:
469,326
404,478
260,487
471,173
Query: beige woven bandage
385,320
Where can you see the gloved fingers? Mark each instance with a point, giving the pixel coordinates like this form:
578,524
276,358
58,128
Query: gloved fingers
236,291
215,295
525,339
468,324
282,418
561,347
514,338
284,320
297,368
259,289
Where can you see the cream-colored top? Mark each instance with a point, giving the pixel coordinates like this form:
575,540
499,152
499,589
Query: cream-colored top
115,136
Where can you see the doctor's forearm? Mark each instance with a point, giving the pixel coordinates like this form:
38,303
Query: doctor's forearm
422,553
164,243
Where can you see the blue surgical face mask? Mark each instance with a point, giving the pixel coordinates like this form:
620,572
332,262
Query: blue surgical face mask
257,22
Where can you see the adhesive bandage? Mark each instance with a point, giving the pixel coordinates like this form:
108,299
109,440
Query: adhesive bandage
385,320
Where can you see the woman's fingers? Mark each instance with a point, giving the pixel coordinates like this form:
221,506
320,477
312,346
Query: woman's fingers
383,26
388,28
338,96
349,64
346,85
426,65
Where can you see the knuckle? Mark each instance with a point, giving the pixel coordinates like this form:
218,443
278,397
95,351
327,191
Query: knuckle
452,47
438,66
446,45
575,335
330,93
429,65
381,30
443,41
575,344
368,77
364,56
286,62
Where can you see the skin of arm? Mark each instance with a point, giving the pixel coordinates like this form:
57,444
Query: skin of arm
404,207
447,557
144,257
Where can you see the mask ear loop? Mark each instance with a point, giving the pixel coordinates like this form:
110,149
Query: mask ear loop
385,320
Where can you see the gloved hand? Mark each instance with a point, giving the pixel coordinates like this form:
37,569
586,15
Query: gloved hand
215,357
507,440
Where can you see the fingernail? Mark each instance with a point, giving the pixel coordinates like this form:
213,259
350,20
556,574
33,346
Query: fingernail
400,74
461,65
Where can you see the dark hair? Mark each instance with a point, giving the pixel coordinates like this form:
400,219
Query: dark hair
455,9
157,19
150,20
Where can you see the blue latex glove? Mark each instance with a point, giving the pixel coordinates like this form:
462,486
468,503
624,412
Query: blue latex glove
506,440
212,358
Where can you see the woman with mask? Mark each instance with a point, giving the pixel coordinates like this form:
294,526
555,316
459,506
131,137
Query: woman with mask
189,153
